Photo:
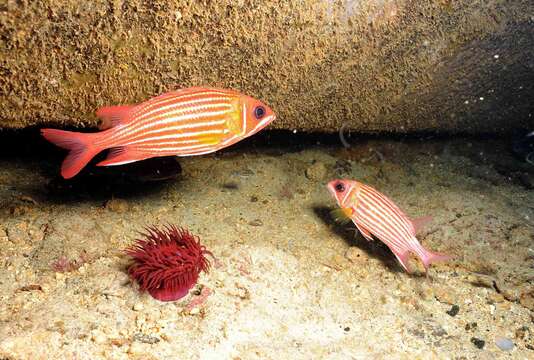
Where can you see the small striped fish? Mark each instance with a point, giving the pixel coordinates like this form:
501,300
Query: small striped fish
374,214
186,122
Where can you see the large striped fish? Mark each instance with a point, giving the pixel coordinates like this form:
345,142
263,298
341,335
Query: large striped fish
375,214
192,121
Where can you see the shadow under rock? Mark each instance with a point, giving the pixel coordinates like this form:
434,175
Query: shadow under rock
142,178
376,249
29,152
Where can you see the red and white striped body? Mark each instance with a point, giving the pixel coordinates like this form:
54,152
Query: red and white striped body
373,213
192,121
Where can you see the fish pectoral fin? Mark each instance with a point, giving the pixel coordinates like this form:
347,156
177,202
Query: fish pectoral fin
122,155
366,234
341,216
234,122
113,115
234,127
211,139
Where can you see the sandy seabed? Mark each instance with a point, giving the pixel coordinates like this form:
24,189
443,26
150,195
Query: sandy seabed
288,282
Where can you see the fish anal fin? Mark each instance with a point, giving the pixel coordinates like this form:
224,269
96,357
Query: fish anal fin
430,257
113,115
404,259
366,234
419,223
122,155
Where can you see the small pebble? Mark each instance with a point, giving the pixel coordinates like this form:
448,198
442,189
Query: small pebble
481,280
494,298
230,186
60,276
527,180
316,172
145,339
342,167
455,309
197,290
478,342
256,222
446,295
137,348
471,326
523,332
117,205
194,311
338,262
504,344
355,255
527,299
438,331
99,338
243,173
511,294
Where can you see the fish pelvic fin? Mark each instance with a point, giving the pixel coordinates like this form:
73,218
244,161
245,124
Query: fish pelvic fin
366,233
80,146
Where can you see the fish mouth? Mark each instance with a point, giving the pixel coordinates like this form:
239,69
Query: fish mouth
263,123
268,119
331,189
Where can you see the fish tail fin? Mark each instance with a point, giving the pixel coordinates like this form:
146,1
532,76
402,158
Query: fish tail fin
81,149
430,257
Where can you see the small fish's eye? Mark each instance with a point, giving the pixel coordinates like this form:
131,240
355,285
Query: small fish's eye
259,112
340,187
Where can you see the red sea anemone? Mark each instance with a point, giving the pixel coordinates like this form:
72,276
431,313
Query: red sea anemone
167,262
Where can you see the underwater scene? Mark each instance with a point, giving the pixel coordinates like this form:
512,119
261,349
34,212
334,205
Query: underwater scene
282,278
266,180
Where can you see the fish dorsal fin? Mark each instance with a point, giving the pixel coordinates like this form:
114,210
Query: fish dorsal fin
113,115
419,223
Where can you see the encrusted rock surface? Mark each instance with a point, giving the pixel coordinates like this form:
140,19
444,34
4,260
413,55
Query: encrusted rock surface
369,65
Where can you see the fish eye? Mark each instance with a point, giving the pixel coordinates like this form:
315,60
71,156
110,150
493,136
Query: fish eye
340,187
259,112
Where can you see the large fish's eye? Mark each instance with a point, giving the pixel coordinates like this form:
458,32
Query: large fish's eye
340,187
259,112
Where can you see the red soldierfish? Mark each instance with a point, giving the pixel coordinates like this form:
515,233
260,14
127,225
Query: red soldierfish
186,122
375,214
